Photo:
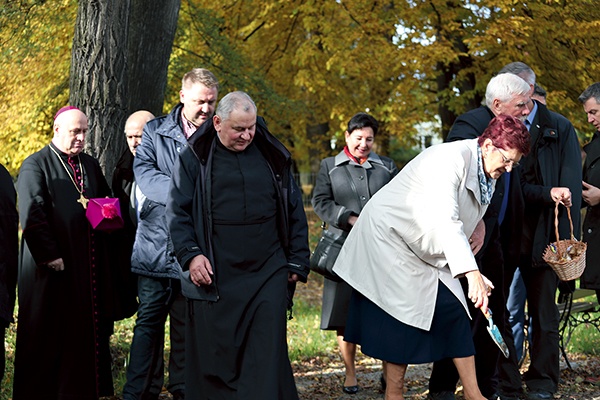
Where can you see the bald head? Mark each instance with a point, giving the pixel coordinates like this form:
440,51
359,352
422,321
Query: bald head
70,128
134,127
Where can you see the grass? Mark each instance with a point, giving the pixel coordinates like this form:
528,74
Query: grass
586,337
305,339
585,340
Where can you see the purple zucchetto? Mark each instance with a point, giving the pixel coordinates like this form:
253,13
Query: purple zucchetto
62,110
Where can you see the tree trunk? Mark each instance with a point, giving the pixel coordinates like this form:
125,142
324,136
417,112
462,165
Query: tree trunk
152,27
98,82
106,82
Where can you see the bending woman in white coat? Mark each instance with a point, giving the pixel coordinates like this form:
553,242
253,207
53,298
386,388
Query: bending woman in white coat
411,243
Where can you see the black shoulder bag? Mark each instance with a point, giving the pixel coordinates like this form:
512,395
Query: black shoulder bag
325,254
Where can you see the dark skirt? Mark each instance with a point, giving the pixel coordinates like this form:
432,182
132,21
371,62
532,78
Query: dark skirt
383,337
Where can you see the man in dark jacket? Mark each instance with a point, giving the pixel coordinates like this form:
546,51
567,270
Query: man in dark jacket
153,259
505,94
551,173
590,98
123,187
9,255
240,234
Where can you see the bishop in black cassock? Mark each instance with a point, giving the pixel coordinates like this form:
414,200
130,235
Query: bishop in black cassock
64,284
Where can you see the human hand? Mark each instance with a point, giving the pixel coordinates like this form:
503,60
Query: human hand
352,220
562,195
200,271
591,194
476,239
479,290
488,284
57,265
292,277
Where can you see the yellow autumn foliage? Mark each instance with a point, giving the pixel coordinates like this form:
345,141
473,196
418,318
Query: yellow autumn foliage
311,65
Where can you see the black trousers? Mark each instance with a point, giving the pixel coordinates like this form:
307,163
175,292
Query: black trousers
543,373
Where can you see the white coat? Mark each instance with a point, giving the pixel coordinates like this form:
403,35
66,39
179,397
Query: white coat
415,231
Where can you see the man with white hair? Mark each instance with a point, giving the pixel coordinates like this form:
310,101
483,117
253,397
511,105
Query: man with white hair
505,94
64,284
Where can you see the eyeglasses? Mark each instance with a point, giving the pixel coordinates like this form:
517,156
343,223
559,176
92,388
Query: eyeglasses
507,161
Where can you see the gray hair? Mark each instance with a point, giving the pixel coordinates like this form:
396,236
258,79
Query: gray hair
234,101
504,87
592,91
521,69
540,91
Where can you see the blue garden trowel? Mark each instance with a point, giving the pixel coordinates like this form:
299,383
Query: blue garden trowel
495,333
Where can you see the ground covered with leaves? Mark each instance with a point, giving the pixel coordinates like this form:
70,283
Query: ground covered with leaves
322,378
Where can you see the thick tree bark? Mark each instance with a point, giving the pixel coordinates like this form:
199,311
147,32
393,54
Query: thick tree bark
152,27
106,82
98,82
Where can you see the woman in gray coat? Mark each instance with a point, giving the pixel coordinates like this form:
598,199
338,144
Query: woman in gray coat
344,185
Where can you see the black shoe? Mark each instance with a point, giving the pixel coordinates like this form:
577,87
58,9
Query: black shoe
507,397
441,396
350,389
383,382
539,395
178,395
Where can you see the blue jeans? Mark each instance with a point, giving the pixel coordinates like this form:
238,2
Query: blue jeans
516,307
159,298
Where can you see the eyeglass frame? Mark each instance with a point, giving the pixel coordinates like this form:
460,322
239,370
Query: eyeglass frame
507,161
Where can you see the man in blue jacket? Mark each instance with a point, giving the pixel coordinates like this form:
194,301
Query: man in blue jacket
153,259
240,234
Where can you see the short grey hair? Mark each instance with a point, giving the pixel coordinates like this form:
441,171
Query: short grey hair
504,87
521,69
235,101
592,91
540,91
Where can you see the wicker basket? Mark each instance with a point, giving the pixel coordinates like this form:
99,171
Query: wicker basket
567,256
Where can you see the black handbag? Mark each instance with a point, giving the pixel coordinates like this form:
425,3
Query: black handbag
325,254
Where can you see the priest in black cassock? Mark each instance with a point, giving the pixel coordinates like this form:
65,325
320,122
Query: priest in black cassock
64,294
240,234
9,255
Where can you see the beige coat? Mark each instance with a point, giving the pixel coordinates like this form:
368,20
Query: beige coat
415,231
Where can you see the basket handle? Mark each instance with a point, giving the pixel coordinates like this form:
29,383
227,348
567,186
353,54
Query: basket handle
558,243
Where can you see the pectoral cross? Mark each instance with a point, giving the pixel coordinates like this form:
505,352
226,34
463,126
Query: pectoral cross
83,201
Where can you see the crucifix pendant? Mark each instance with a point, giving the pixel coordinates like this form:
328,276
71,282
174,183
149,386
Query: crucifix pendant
83,201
